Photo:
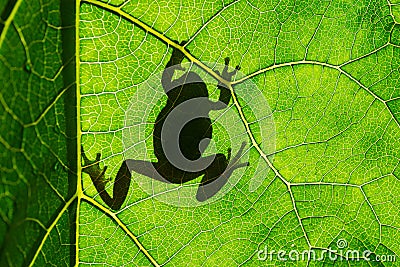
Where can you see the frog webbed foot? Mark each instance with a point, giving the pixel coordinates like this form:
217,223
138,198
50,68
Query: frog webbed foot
234,163
178,56
209,186
92,168
226,74
97,175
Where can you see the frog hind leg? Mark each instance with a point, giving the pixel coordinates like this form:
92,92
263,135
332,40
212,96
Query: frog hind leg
146,168
97,175
216,177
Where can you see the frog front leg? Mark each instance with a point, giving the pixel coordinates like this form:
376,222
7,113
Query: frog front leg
173,65
97,175
225,94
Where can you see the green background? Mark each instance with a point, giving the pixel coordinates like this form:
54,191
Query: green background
329,71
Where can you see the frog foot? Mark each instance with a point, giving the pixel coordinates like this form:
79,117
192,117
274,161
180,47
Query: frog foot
226,75
178,56
234,163
92,168
209,188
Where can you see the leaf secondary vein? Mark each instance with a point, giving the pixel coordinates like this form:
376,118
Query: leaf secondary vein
121,225
50,228
8,22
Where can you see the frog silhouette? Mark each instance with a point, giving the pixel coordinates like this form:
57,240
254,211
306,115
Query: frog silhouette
181,134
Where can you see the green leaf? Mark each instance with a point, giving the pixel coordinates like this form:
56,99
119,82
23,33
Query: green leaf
39,133
317,102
